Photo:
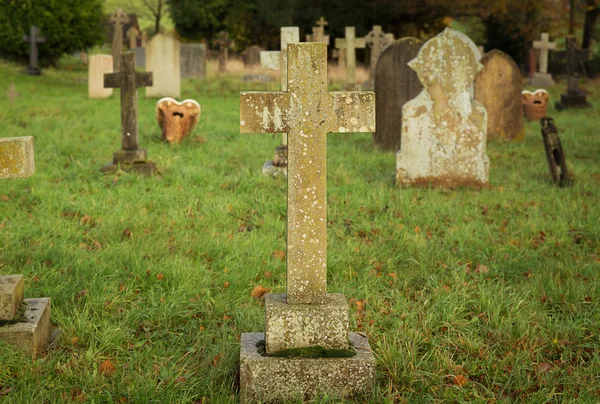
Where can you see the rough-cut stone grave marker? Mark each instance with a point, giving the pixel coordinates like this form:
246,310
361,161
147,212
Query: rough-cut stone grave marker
130,157
307,316
348,45
574,98
443,128
251,56
12,93
542,78
33,38
278,60
118,18
28,330
177,119
132,35
498,88
395,84
535,104
163,60
224,44
377,41
99,66
554,153
193,60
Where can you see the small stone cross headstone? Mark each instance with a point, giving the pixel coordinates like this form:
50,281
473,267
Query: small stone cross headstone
12,93
33,38
542,78
278,60
574,98
132,35
318,34
378,41
130,157
118,18
554,153
224,44
307,316
349,44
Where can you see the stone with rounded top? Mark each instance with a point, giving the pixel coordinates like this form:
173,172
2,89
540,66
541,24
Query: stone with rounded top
163,60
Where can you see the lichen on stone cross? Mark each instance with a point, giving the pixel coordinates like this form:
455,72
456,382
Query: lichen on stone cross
307,112
544,46
16,157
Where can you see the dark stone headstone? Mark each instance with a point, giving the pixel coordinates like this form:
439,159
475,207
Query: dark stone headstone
33,38
574,98
193,60
251,56
140,57
395,84
554,153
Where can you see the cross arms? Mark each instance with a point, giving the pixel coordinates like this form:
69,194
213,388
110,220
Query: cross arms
115,80
262,112
352,111
16,157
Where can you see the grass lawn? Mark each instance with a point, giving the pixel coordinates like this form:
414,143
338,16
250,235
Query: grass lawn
465,295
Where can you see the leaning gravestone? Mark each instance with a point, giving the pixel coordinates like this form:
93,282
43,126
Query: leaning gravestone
554,153
193,60
119,18
543,78
395,84
498,88
29,331
98,67
443,128
574,98
130,157
308,316
162,59
33,38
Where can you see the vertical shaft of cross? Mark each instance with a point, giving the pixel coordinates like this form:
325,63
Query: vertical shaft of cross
307,179
351,55
544,45
129,123
33,38
571,63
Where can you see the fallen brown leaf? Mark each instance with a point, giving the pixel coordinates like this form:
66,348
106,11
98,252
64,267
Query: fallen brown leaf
107,368
259,292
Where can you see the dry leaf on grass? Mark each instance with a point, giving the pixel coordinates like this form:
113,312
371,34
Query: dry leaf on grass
259,292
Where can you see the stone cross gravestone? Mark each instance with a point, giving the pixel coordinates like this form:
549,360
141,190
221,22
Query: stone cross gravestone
28,331
443,128
377,41
395,84
224,44
130,157
193,60
318,32
132,36
543,78
12,93
163,60
118,18
574,98
98,67
307,316
278,60
349,44
33,38
498,88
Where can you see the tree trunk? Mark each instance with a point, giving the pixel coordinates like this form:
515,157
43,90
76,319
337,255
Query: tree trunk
589,28
157,17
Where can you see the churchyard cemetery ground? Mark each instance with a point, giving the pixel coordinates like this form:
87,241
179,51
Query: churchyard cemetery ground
465,295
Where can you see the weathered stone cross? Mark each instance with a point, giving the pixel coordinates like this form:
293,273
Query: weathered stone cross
377,41
12,93
128,80
132,35
16,157
318,34
544,46
33,38
224,43
349,44
574,98
119,18
307,112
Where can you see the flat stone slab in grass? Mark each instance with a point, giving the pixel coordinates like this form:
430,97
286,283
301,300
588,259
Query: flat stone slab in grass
32,334
11,296
292,326
268,379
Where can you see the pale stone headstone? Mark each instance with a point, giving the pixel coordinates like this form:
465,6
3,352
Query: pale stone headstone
498,88
574,98
12,93
98,67
395,84
132,36
118,18
251,56
193,60
130,157
378,41
542,78
33,38
443,128
278,60
162,59
307,316
348,45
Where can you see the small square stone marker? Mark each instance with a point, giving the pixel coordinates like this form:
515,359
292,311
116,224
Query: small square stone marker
11,296
307,316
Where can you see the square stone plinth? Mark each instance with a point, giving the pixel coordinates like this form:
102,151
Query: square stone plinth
11,296
290,326
267,379
30,335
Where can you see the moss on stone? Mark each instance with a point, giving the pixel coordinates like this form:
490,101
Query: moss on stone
308,352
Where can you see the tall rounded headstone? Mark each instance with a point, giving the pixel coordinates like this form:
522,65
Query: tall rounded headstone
163,60
498,87
395,84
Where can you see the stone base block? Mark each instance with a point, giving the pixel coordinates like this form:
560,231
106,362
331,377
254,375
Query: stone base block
30,335
290,326
130,156
272,170
33,71
542,80
11,296
571,100
148,168
16,157
266,379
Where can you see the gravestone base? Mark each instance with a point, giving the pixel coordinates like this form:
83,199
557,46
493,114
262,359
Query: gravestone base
33,71
291,326
572,100
268,379
135,161
11,296
542,80
271,170
279,164
30,335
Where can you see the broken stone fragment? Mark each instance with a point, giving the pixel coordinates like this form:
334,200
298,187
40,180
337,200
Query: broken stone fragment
177,119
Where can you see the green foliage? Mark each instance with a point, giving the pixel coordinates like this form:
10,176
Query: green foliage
67,25
198,19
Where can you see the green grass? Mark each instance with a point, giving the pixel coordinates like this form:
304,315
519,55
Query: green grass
465,295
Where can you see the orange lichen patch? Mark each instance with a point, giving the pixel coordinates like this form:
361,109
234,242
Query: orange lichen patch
16,157
177,119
